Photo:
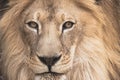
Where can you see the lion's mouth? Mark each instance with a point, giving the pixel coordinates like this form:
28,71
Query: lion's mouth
51,73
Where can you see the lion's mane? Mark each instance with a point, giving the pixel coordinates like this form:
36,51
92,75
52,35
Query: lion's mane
98,62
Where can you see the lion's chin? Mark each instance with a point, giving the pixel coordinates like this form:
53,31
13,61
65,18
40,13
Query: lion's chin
50,76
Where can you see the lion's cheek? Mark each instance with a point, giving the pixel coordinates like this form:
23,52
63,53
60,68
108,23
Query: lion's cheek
35,65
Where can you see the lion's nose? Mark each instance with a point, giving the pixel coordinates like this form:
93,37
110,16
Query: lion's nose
50,61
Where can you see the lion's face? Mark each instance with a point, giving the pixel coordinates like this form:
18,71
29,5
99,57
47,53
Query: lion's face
58,40
52,32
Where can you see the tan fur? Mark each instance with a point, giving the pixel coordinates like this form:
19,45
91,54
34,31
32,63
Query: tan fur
90,50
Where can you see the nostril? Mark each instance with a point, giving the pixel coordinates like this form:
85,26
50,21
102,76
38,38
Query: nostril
49,61
55,59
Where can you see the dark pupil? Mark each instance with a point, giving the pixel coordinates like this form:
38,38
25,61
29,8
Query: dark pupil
33,24
68,25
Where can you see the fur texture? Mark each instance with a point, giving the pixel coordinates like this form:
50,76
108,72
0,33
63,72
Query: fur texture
89,51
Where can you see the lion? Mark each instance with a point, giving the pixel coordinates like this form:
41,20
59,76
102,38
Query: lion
60,40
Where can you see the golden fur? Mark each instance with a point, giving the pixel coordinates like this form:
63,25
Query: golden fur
93,44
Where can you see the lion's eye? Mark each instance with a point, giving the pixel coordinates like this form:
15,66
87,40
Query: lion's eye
33,24
68,25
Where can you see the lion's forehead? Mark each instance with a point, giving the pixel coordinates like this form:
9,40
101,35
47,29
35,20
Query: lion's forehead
60,12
